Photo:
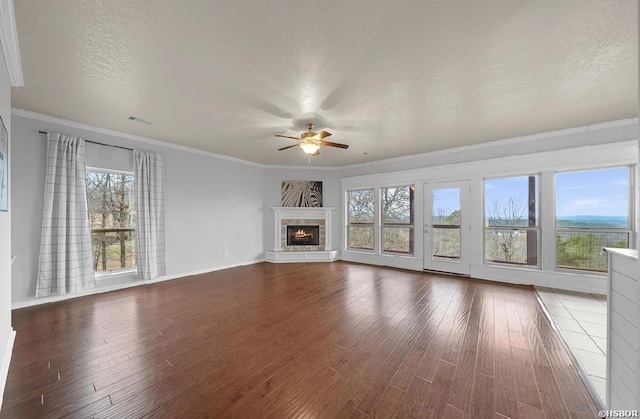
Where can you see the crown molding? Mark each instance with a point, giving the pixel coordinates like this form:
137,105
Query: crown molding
501,143
498,143
298,167
147,140
9,41
512,165
105,131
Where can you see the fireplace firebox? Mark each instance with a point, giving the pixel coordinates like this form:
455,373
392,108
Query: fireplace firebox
303,235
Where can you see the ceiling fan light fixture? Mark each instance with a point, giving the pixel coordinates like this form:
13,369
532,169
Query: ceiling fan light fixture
309,147
310,142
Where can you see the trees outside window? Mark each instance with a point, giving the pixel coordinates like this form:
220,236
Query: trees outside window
446,220
397,219
593,209
361,217
592,212
511,220
112,219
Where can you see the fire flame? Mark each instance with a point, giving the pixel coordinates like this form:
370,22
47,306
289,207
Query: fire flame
301,234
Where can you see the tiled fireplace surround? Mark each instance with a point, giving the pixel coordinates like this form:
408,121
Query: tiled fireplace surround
301,221
283,216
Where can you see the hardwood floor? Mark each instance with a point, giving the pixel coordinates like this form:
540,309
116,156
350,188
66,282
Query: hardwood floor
314,340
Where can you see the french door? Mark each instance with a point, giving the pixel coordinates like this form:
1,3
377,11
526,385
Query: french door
446,227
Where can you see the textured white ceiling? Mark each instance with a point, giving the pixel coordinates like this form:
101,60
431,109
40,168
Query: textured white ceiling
389,78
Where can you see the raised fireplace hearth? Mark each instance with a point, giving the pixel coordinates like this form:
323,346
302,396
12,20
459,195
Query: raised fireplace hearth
302,234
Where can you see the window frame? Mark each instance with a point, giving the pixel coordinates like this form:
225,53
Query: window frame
630,230
127,271
537,228
348,223
410,225
429,220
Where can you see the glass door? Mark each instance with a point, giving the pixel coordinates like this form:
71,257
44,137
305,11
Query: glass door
446,227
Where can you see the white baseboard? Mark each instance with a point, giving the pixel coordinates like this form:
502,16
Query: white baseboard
100,290
571,281
563,280
4,367
204,271
393,261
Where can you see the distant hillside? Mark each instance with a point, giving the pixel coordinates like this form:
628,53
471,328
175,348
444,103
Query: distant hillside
598,221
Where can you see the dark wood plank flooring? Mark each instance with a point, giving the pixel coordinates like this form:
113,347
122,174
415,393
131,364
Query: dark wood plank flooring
305,340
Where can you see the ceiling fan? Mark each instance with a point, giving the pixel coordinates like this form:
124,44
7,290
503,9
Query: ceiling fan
310,142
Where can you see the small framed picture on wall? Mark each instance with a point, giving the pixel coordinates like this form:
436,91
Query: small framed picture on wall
4,167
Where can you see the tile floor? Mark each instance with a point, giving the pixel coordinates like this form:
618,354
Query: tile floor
582,320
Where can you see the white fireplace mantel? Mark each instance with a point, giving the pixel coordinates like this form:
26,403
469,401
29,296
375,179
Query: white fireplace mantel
309,213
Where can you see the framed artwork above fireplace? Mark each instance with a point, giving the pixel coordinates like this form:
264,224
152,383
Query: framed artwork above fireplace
301,193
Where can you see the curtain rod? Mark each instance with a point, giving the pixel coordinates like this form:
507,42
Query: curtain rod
95,142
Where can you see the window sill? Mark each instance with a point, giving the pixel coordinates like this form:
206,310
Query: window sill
398,255
364,251
566,272
512,266
120,273
383,254
580,272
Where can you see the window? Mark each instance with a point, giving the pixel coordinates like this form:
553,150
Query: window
511,220
446,218
397,219
592,212
360,230
112,219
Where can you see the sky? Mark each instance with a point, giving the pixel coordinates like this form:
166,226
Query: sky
602,192
596,192
447,199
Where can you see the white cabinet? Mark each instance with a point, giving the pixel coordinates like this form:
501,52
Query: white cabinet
622,329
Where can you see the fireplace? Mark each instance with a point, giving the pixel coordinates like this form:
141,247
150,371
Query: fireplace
303,235
319,218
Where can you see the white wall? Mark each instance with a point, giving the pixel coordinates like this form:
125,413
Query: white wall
212,204
330,195
6,331
609,153
550,141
